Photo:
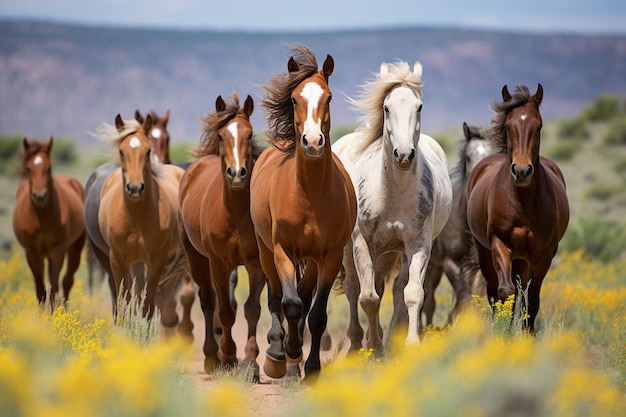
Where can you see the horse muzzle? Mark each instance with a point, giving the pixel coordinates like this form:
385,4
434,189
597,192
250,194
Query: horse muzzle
522,175
313,149
40,198
404,159
135,190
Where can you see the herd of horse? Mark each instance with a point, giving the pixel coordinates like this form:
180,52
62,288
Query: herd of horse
303,216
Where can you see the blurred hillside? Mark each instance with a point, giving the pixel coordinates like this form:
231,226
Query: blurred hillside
65,80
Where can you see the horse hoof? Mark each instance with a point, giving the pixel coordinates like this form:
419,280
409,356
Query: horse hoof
210,365
326,343
274,368
252,369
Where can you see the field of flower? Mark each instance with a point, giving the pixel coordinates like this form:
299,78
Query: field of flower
75,362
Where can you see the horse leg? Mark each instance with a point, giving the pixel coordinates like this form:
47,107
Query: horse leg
220,275
501,255
431,282
460,287
275,364
166,303
252,313
35,263
400,315
73,262
369,299
187,297
414,290
306,289
318,318
199,269
55,263
291,304
352,288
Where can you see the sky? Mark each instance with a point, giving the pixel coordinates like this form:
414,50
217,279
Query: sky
577,16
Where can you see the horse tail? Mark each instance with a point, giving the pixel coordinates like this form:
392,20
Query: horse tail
471,273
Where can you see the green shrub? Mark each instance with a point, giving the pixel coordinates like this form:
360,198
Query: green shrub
616,133
63,152
565,150
572,129
604,240
605,107
603,191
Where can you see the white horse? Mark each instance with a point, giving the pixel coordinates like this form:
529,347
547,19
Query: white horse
404,198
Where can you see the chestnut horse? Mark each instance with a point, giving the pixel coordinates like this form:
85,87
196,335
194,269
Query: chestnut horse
517,206
137,219
216,229
48,220
303,208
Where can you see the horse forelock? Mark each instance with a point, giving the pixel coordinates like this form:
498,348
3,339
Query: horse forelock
212,123
34,147
496,132
281,132
372,96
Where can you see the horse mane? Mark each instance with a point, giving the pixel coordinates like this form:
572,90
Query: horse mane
34,147
372,96
460,167
109,134
281,130
496,132
212,122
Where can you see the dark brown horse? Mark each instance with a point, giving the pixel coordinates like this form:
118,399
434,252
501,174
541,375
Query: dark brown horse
517,206
158,135
303,207
216,229
48,220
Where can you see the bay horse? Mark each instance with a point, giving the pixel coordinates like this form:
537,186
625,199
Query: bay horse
404,199
137,220
517,207
455,241
303,208
158,135
48,220
216,230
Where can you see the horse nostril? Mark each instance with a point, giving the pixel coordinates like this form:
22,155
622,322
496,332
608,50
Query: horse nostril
321,142
229,173
529,171
513,169
395,154
304,141
412,155
243,173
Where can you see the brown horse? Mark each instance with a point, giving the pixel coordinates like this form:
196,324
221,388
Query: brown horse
216,229
517,206
158,135
48,220
137,219
303,207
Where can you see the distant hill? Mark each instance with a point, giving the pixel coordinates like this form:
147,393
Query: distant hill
65,80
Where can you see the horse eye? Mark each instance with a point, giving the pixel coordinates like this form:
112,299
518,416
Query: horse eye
419,109
329,99
386,109
121,154
219,138
293,101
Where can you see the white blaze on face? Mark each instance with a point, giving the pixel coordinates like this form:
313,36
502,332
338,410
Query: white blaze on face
134,142
523,116
38,160
312,93
232,128
155,133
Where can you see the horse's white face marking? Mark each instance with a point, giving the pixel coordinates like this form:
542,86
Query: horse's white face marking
232,128
523,116
134,142
312,93
156,133
38,160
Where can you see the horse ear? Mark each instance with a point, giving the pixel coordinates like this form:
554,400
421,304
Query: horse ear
49,144
147,125
219,104
328,67
166,117
466,131
384,68
248,106
417,69
138,117
538,97
292,65
506,96
119,123
25,143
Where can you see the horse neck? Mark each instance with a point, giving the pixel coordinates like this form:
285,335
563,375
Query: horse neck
313,174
